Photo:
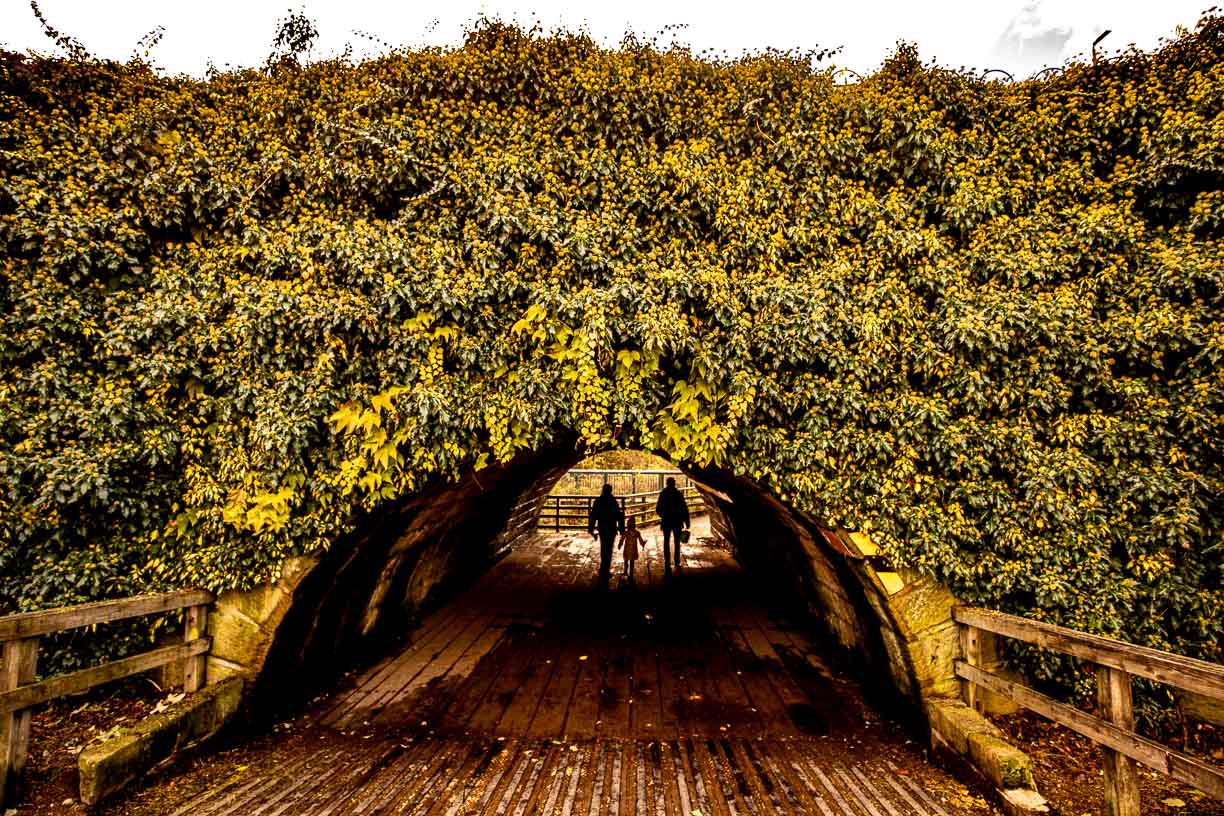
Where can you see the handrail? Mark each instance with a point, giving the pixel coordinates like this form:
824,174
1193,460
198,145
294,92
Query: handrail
656,472
1164,667
32,624
1116,661
569,511
19,638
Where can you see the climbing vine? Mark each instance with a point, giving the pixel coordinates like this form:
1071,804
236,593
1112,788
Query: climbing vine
982,320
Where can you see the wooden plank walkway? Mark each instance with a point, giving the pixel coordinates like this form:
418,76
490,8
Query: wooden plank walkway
432,775
540,691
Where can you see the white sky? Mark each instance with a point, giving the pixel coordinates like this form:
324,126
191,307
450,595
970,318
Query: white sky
1018,35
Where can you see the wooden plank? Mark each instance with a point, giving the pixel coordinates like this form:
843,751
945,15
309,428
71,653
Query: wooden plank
855,790
529,692
583,714
831,789
971,653
20,667
592,769
507,779
1121,781
549,719
789,694
32,624
471,693
420,690
194,625
412,664
1183,768
1182,672
616,695
35,693
735,703
501,695
701,758
747,778
731,782
778,757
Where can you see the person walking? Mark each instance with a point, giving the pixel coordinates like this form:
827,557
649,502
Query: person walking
673,514
631,539
606,514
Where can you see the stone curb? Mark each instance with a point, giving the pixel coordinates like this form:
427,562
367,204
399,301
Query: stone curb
972,737
107,767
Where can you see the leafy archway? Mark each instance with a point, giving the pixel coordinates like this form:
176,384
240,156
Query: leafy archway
981,320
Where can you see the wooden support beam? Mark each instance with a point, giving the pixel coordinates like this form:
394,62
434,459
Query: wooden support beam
24,696
1207,778
20,667
194,624
971,653
32,624
1121,780
1186,673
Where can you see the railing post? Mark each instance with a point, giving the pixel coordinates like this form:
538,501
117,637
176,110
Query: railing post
1121,781
971,653
194,624
557,513
20,668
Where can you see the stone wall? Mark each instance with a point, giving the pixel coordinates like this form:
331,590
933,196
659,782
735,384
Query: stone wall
344,606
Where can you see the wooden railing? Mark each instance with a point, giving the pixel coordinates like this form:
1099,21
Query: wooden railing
1114,729
19,636
558,512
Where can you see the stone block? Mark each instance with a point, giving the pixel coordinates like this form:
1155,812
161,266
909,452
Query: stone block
955,722
932,653
235,636
898,665
258,604
972,737
218,669
107,767
295,569
1002,763
922,604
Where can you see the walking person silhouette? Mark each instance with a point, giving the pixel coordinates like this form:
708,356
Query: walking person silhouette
631,540
606,514
673,514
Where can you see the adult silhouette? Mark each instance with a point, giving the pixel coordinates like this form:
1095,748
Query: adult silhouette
673,514
607,516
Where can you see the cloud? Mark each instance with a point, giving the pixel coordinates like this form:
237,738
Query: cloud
1030,42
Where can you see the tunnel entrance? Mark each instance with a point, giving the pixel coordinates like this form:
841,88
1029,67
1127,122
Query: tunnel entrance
497,533
539,688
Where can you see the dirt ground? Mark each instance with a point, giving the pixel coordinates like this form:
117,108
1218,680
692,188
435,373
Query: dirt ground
1069,769
60,730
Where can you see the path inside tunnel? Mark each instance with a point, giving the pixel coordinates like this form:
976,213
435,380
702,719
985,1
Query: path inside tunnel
539,690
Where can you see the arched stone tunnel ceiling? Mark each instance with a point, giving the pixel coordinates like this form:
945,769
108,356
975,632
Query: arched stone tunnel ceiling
340,608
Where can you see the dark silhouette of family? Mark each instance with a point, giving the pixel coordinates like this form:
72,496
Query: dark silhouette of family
607,516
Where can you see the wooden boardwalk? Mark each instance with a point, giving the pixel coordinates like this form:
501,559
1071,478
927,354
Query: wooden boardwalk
539,691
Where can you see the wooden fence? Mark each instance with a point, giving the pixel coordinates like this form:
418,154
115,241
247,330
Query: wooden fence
569,512
1114,729
19,636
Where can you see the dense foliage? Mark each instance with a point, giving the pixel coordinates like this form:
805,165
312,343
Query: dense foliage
981,320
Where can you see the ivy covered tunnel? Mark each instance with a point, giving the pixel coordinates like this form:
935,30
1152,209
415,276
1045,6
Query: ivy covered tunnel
361,598
982,318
